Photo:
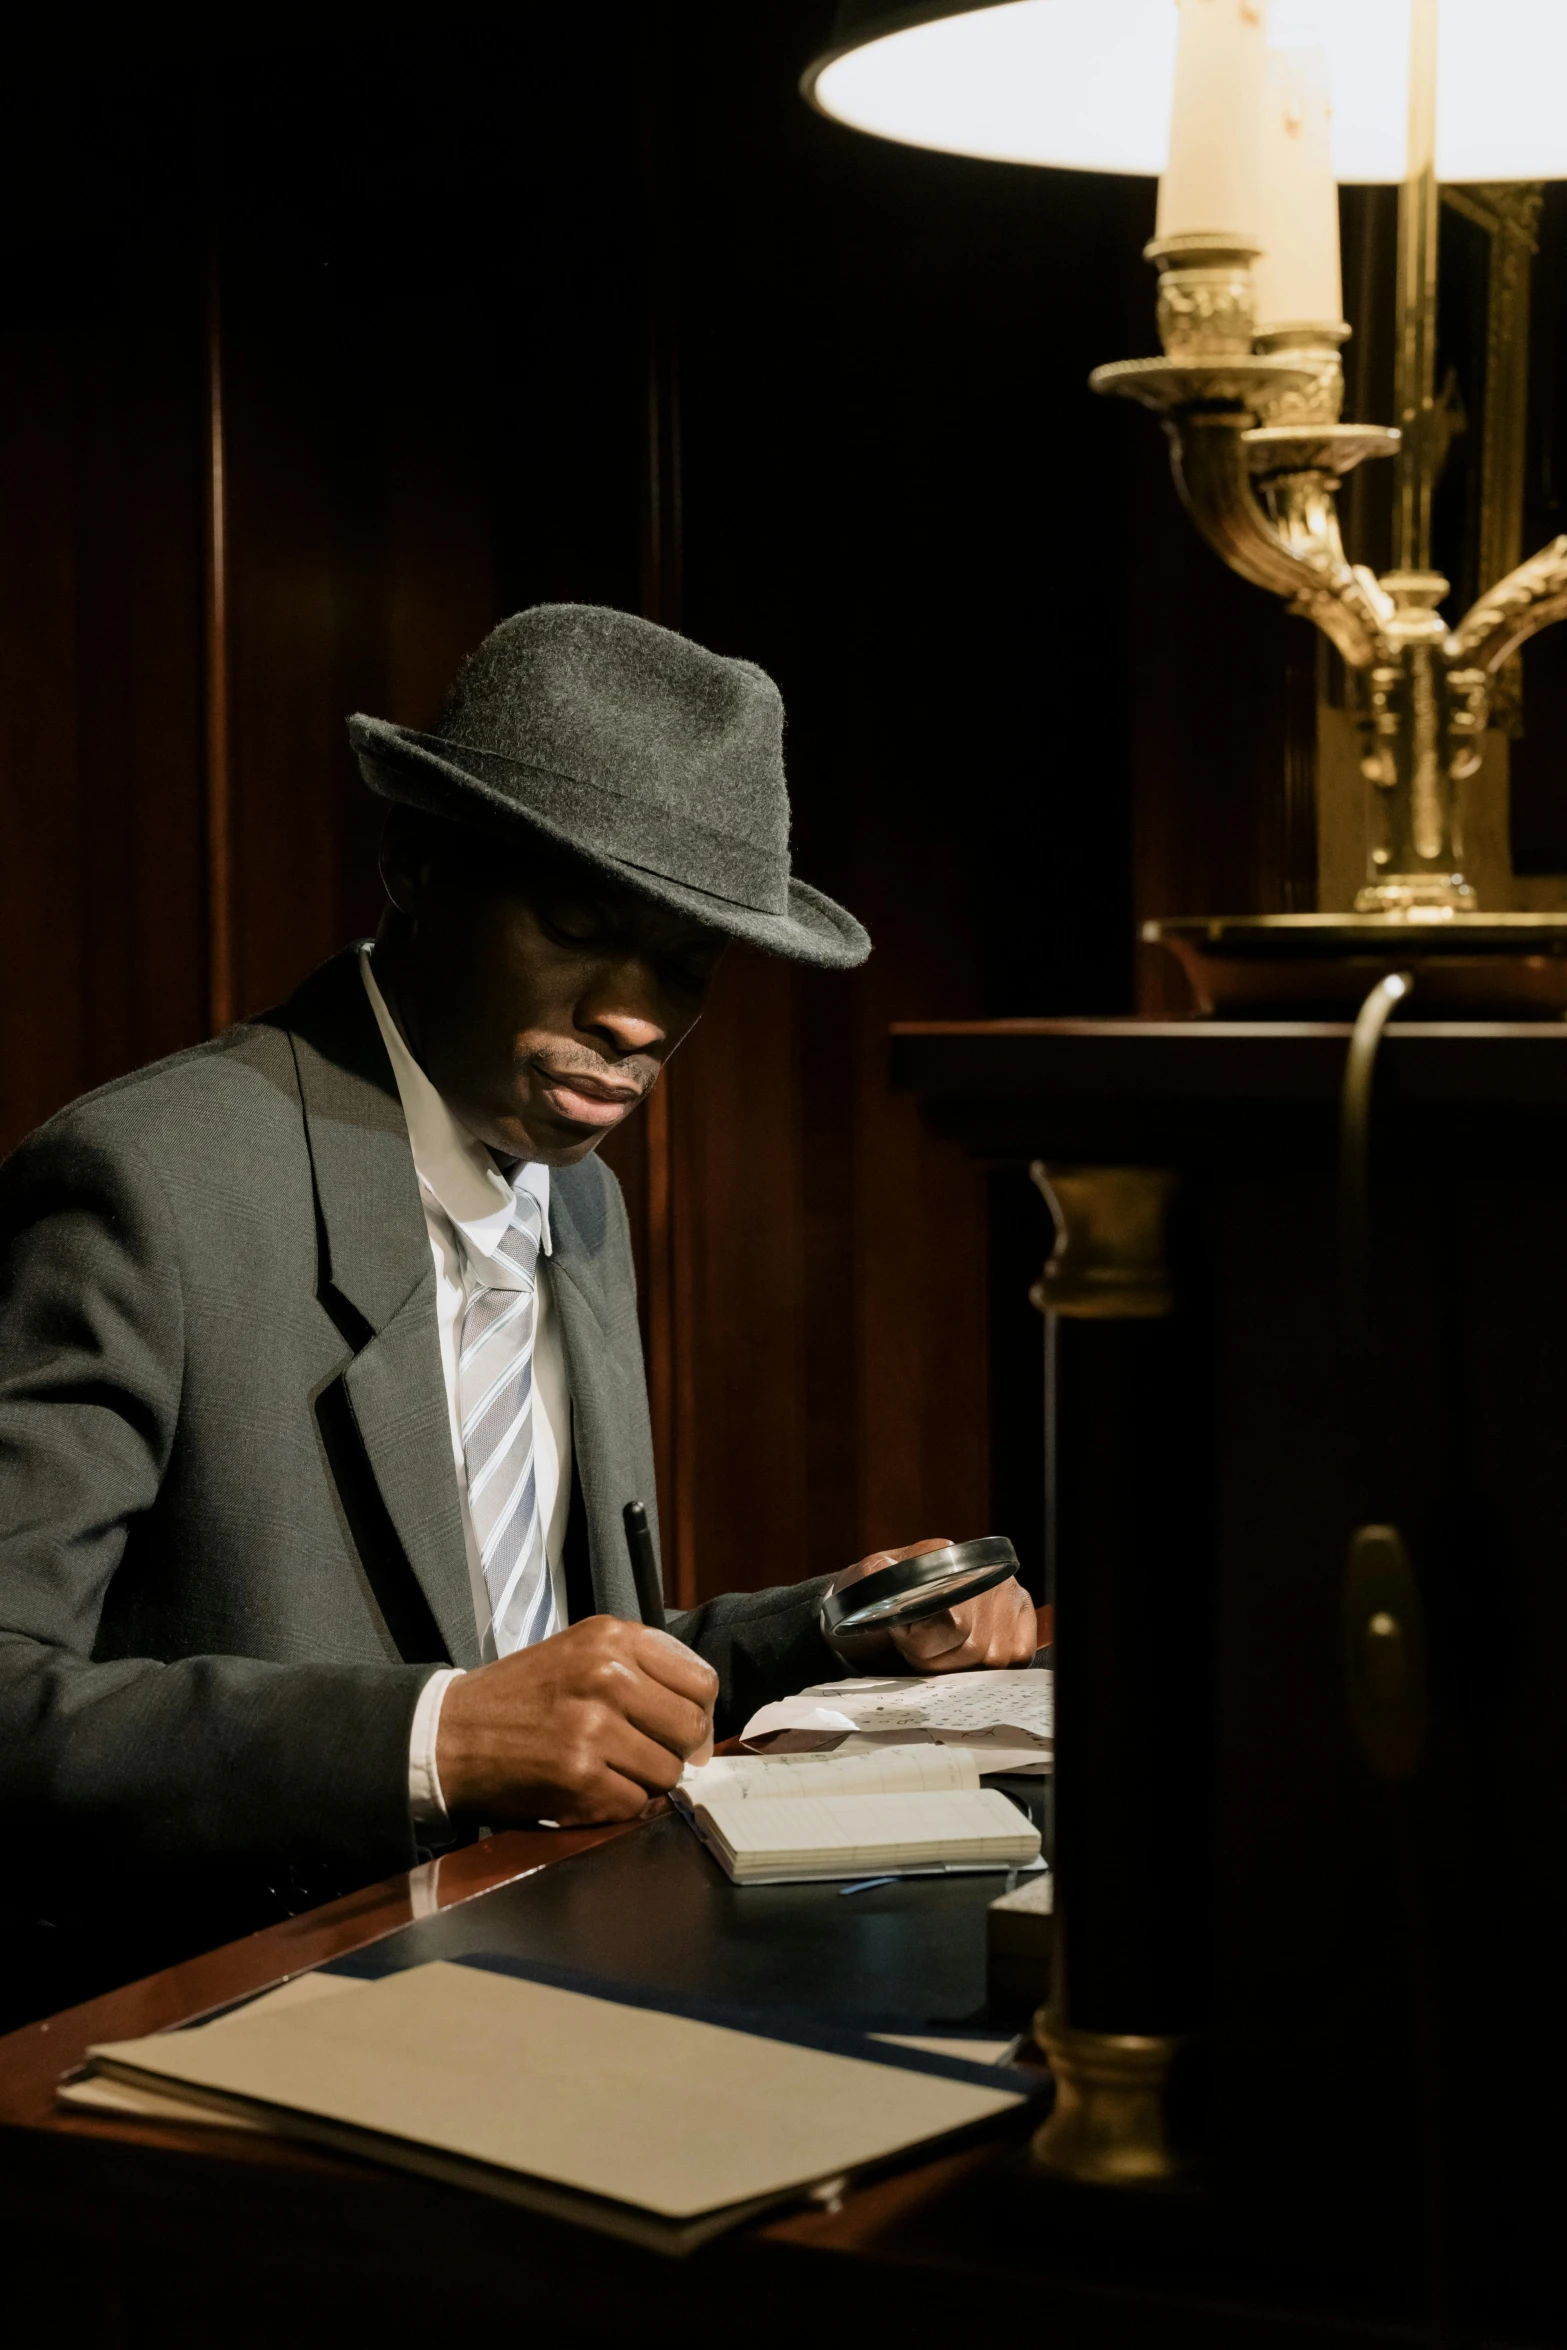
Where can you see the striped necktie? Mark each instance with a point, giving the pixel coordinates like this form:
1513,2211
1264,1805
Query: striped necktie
495,1398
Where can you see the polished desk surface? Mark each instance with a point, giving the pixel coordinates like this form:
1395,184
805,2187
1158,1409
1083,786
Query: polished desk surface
179,2210
652,1912
128,2231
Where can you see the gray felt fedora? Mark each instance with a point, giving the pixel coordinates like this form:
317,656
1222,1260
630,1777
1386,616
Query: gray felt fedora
650,757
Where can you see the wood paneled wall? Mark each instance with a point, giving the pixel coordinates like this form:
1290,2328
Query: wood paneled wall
580,301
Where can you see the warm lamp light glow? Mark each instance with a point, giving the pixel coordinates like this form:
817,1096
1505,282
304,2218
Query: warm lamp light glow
1087,83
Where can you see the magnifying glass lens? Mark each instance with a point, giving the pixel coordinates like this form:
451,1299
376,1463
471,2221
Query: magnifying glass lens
909,1590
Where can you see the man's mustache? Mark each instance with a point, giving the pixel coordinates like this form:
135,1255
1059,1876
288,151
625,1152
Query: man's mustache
595,1075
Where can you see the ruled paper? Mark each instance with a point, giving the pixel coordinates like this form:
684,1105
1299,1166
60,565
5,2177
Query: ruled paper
888,1770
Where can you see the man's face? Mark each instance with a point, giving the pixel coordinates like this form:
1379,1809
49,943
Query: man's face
540,999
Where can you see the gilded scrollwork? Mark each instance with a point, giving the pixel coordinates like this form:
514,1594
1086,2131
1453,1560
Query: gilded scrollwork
1168,385
1206,307
1518,607
1316,401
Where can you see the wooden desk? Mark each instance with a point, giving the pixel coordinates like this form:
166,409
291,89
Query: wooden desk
132,2233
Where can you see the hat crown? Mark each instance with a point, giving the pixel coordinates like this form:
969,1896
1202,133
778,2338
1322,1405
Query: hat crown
641,753
606,699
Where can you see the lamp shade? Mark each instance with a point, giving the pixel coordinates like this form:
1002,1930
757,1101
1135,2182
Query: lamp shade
1087,84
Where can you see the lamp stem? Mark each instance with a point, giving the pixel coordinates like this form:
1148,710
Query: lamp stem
1414,380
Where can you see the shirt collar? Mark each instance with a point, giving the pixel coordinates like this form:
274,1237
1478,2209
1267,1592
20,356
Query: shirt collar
454,1168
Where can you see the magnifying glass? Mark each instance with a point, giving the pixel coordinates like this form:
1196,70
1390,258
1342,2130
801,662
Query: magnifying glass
911,1589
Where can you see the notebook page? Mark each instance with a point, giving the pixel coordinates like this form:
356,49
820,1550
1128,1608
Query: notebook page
888,1770
1021,1700
988,1750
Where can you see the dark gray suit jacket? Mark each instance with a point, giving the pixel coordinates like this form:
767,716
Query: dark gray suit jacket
230,1544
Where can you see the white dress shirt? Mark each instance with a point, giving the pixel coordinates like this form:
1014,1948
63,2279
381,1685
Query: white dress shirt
467,1207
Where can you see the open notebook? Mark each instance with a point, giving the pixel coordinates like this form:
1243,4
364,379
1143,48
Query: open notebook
639,2117
904,1810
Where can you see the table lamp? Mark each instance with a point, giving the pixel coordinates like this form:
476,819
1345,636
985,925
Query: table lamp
1251,116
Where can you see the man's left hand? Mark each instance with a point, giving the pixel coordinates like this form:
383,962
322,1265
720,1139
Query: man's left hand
998,1628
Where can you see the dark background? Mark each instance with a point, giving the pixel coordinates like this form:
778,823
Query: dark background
482,306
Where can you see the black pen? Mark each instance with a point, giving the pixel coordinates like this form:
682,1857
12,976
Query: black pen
644,1566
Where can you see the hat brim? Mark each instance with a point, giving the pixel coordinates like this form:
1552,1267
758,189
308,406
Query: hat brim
420,771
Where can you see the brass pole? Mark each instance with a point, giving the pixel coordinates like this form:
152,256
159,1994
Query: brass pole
1414,370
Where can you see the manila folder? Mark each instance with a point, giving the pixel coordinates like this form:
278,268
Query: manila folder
509,2080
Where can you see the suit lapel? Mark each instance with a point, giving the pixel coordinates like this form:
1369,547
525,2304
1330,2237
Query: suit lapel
611,1444
400,1410
376,1257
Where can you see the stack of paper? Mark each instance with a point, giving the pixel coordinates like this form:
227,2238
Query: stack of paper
898,1810
655,2125
1005,1720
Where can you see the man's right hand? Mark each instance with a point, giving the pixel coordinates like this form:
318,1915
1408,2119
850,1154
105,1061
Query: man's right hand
585,1726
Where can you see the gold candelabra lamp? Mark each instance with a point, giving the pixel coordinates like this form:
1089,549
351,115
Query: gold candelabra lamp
1266,105
1258,451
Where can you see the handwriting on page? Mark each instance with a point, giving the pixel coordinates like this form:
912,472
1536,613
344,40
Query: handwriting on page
944,1707
950,1701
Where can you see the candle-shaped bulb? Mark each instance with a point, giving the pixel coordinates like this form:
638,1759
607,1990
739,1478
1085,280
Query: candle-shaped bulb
1210,184
1297,278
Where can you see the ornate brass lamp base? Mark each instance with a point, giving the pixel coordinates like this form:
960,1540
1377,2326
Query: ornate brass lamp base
1502,966
1259,452
1108,2127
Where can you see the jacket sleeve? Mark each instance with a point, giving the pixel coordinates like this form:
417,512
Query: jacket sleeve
761,1644
210,1763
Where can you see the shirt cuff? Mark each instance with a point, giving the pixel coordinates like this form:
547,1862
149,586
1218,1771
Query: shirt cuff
426,1803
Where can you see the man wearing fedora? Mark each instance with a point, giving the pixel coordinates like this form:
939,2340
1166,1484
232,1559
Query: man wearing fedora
321,1392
